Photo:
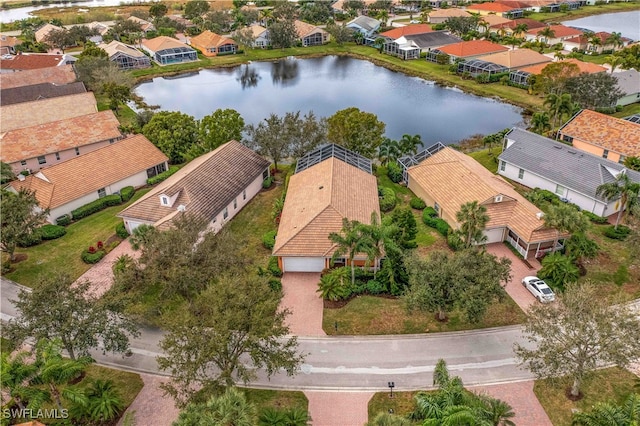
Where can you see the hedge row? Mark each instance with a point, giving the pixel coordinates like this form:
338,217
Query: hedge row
63,220
126,193
431,219
51,232
162,176
595,218
269,239
387,199
394,171
96,206
273,267
417,203
617,234
121,230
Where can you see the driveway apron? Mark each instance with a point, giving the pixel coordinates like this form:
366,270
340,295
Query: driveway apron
305,304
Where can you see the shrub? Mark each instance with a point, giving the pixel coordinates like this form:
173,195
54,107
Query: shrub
63,220
375,287
269,239
121,230
100,245
617,234
96,206
417,203
442,227
275,285
273,267
454,241
595,218
92,258
126,193
435,222
429,212
51,232
162,176
387,199
394,172
30,240
267,182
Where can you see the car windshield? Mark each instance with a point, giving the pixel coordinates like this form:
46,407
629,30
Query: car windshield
546,290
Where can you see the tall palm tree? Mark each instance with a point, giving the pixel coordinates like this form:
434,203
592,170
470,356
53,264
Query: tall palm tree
473,218
615,39
350,241
622,188
380,239
595,41
389,151
608,414
379,42
559,105
565,218
546,34
540,122
614,61
520,29
409,145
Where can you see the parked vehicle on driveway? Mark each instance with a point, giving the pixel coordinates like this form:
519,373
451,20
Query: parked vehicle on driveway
539,289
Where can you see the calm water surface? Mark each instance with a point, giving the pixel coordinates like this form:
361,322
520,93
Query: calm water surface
627,23
328,84
10,15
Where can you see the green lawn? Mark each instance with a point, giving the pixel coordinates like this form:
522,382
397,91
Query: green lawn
265,398
611,384
65,252
365,315
128,384
585,11
488,160
628,110
402,403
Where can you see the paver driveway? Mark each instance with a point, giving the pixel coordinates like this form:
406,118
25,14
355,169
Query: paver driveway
520,396
151,406
338,408
305,304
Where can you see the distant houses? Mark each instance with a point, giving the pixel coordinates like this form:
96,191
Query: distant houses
212,44
126,57
629,85
365,25
33,61
167,50
310,35
412,46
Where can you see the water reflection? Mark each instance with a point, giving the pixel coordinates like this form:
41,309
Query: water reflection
285,72
341,66
248,76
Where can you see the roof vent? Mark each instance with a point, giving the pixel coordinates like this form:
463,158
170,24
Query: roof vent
498,198
540,215
21,177
557,147
571,152
321,187
182,208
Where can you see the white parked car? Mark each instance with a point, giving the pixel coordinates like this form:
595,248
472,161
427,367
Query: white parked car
539,289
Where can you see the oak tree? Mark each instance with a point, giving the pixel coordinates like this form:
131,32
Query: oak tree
21,216
356,130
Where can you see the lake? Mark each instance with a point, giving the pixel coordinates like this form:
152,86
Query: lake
626,23
10,15
325,85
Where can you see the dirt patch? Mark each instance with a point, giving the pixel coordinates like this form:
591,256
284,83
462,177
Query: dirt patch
335,304
574,398
20,257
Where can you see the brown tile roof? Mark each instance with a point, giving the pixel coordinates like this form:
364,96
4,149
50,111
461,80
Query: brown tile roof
209,39
396,33
31,62
614,134
74,178
514,3
494,20
317,200
30,142
492,7
39,91
448,13
472,48
144,25
558,30
518,58
530,23
118,47
44,31
29,114
303,29
584,67
57,75
453,179
9,41
205,185
163,42
257,30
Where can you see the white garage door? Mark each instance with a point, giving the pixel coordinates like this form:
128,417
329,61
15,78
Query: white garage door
303,264
494,235
133,225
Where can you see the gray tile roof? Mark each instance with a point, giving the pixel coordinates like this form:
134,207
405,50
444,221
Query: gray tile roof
365,22
35,92
561,163
628,81
434,39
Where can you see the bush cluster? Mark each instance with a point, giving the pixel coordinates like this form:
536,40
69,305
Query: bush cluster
121,230
96,206
162,176
92,256
595,218
30,240
417,203
454,241
126,193
275,285
269,239
267,182
387,199
617,234
63,220
394,171
431,219
51,232
273,267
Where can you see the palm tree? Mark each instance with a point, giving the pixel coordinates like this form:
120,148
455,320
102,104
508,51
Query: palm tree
383,16
380,239
333,286
496,411
266,15
379,42
558,269
632,163
615,39
558,105
15,375
580,247
540,122
386,419
231,408
565,218
595,41
350,241
6,173
409,145
520,29
473,218
609,414
622,188
614,61
358,37
388,151
546,33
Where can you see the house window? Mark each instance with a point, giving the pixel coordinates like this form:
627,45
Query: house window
520,173
77,151
621,160
265,174
164,201
23,162
112,140
567,138
57,156
102,193
42,160
235,203
225,214
436,207
244,194
560,190
503,165
605,153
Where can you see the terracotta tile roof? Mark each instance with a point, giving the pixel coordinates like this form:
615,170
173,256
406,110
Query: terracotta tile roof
453,179
31,62
39,91
9,41
558,30
64,182
396,33
30,142
209,39
144,25
29,114
44,31
584,67
118,47
494,20
614,134
57,75
518,58
515,3
303,29
472,48
530,23
257,30
163,42
448,13
492,7
317,200
204,186
101,28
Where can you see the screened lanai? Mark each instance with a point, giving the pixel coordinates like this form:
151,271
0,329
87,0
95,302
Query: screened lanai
519,77
476,67
175,54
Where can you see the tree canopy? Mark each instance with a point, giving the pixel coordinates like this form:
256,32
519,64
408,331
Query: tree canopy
216,129
174,133
21,216
594,91
356,130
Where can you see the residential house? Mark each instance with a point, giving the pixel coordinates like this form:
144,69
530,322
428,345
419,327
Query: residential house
411,46
28,114
466,50
101,30
182,21
212,44
573,175
214,187
523,75
602,135
330,183
8,44
126,57
446,179
40,91
310,35
33,61
545,5
398,32
509,27
439,16
32,148
516,59
365,25
629,85
63,74
71,184
167,50
500,9
584,42
560,34
42,33
489,21
261,36
145,26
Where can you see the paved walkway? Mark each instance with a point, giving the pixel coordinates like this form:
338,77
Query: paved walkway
519,270
101,274
151,407
520,396
338,408
305,304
